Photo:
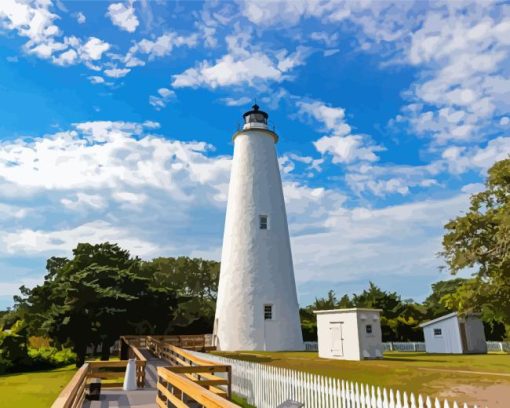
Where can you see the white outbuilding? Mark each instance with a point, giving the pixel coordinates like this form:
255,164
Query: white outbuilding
455,334
349,334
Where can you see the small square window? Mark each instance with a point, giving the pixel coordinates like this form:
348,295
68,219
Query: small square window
368,329
268,312
263,222
437,332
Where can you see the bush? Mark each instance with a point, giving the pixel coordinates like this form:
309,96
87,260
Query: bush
16,355
13,348
50,357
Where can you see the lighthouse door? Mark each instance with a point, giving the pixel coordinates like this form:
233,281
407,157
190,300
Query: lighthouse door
337,341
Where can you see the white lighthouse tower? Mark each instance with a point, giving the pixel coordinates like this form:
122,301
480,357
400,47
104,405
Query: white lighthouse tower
257,306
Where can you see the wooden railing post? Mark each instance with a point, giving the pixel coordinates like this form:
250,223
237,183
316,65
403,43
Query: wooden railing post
124,349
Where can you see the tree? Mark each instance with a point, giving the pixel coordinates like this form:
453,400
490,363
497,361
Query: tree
195,282
94,298
480,240
436,308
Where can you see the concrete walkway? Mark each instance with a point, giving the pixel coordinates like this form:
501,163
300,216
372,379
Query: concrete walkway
142,398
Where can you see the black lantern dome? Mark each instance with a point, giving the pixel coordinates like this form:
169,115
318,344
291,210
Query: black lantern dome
255,116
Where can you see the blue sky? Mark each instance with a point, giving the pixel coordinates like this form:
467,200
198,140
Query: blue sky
116,121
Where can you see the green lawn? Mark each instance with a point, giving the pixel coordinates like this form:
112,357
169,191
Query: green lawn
35,389
454,376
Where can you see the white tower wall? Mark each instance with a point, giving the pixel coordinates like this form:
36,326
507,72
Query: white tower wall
256,264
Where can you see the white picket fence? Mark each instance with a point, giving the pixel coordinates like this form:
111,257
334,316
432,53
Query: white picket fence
498,346
408,346
390,346
266,387
418,346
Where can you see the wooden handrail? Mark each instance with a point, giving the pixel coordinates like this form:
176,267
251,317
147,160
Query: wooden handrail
182,386
74,392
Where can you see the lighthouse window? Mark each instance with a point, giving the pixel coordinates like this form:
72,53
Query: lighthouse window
263,224
268,312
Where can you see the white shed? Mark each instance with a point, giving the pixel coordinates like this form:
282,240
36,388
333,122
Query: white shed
455,334
349,334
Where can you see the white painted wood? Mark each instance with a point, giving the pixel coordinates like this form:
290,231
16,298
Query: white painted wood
444,334
256,264
349,334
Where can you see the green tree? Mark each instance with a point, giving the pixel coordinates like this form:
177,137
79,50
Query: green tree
94,298
480,240
195,282
435,307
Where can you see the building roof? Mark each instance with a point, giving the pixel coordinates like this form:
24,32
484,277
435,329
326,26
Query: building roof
447,316
353,309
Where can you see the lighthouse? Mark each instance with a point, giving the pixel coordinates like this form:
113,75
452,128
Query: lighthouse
257,307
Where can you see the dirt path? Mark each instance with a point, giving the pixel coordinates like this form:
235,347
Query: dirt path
491,396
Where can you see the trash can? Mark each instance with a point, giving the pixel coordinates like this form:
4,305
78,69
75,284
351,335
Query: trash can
93,389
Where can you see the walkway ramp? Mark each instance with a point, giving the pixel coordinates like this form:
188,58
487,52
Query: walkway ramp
142,398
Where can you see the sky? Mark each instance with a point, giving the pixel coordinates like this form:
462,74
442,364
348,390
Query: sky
116,121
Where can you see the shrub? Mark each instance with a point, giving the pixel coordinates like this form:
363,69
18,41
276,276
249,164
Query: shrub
13,348
50,357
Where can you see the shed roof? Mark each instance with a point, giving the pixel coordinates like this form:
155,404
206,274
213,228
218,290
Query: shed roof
447,316
353,309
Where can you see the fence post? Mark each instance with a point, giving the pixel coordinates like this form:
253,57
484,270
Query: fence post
501,346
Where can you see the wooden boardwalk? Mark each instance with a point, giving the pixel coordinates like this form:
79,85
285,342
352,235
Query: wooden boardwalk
142,398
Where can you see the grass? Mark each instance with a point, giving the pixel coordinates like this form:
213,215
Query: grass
238,400
423,373
34,389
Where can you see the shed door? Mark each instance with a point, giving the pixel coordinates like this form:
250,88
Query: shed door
337,341
463,337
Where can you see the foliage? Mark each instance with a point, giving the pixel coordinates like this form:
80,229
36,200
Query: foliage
102,292
435,308
50,357
14,347
480,240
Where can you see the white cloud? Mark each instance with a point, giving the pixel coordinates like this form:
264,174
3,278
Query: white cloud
85,184
164,96
68,57
117,72
123,16
341,144
357,243
93,49
84,200
32,20
61,242
159,47
96,79
346,149
463,52
243,100
35,21
462,159
392,179
243,65
80,17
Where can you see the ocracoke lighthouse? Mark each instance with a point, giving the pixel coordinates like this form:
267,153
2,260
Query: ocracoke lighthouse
257,306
